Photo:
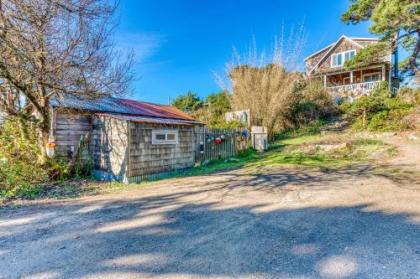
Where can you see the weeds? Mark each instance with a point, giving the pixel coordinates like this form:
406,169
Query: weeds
381,111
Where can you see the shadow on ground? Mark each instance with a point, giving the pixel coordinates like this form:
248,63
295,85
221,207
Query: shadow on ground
164,236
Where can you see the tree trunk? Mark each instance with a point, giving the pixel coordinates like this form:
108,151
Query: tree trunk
43,129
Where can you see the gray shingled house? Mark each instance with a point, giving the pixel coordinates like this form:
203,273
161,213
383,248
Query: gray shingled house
128,140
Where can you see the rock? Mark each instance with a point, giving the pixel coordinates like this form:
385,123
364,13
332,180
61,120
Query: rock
413,136
389,134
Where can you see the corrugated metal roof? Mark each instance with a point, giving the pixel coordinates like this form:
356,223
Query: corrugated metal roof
143,119
121,106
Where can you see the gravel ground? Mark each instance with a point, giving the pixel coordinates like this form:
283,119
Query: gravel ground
359,222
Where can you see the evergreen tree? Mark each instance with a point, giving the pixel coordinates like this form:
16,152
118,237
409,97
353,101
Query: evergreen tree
188,102
397,22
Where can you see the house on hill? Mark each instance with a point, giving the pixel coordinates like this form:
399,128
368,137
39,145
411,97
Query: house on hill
328,64
128,140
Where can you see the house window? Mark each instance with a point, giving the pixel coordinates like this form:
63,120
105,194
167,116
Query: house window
371,77
348,55
338,59
164,136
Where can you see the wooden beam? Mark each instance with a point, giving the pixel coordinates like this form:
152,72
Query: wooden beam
383,72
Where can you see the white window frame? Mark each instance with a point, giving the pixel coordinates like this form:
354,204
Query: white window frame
332,60
164,132
372,74
347,51
343,57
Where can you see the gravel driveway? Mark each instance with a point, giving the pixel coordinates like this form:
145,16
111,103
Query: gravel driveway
359,222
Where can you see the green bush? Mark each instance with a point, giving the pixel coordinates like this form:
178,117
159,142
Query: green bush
313,104
20,174
380,111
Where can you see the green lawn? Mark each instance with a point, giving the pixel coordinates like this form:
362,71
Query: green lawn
308,150
311,150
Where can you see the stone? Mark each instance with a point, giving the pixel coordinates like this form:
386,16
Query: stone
389,134
413,136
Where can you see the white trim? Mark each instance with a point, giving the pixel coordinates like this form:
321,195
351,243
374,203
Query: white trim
329,51
360,89
351,50
343,57
319,51
351,38
383,72
165,133
364,39
332,56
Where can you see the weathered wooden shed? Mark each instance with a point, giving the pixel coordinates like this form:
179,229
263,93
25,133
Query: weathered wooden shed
129,140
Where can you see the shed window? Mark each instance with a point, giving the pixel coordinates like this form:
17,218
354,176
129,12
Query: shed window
164,136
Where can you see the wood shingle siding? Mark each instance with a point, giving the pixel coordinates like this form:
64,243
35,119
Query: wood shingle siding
120,133
147,158
320,62
345,45
110,145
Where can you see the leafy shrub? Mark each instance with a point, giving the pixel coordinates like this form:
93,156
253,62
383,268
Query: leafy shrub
379,111
21,174
314,104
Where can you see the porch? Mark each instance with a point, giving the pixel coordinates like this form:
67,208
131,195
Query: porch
358,82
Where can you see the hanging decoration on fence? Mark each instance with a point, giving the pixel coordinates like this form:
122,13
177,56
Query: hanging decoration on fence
222,144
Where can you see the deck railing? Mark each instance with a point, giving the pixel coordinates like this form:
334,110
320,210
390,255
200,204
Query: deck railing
356,89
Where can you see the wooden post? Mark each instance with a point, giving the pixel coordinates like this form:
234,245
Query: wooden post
325,81
383,72
351,77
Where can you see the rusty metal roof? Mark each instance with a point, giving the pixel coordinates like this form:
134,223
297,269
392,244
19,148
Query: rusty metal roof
121,106
144,119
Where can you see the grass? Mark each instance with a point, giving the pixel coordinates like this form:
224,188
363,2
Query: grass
298,149
307,150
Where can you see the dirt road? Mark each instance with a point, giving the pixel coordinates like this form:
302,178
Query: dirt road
359,222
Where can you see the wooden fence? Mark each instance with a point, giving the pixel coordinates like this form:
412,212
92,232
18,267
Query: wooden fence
215,144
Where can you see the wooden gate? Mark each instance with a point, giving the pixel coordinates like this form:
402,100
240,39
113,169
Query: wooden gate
215,144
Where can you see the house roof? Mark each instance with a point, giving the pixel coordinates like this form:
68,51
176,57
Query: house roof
331,47
143,119
354,39
121,106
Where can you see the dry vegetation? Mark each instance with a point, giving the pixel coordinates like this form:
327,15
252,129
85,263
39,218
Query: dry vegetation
53,48
277,94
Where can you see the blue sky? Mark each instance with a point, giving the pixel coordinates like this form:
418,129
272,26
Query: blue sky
179,44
